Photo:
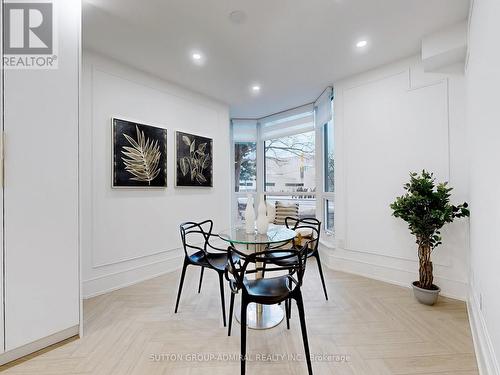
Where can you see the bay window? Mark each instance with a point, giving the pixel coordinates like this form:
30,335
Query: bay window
287,157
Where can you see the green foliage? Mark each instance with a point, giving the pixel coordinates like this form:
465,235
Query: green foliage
248,167
426,208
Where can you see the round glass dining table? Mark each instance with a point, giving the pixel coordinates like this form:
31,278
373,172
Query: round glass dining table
259,316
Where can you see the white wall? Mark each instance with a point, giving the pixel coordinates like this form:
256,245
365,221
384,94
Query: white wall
132,235
483,125
40,225
389,122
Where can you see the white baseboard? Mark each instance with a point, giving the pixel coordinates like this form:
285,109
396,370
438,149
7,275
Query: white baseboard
25,350
396,274
130,276
485,354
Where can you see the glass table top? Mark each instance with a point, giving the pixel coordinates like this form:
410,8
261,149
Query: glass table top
275,234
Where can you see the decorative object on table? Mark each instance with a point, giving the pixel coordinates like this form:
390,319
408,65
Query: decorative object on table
298,239
262,219
139,155
249,216
426,208
271,212
194,160
284,210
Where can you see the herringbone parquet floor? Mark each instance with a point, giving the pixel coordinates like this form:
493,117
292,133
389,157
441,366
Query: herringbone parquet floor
367,327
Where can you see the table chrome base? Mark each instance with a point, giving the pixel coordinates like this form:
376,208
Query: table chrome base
261,316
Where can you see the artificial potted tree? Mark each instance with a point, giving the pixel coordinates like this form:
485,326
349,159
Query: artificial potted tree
426,208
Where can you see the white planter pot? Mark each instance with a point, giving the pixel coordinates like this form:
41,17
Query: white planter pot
425,296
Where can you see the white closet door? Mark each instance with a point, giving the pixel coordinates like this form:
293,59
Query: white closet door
41,191
2,342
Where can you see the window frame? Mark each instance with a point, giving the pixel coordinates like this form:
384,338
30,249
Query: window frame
321,195
327,195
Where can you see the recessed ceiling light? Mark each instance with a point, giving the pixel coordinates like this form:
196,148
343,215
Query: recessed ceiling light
256,88
361,44
198,57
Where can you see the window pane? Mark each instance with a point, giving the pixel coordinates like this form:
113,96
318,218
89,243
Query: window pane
307,205
289,163
329,157
329,216
245,166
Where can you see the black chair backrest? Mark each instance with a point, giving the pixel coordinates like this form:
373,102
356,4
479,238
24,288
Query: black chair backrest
195,236
291,260
307,223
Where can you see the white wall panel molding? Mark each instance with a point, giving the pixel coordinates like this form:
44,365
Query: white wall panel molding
98,75
386,269
132,259
397,109
359,82
131,275
364,124
131,234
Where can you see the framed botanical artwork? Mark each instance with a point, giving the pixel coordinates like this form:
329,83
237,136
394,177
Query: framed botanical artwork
139,155
194,158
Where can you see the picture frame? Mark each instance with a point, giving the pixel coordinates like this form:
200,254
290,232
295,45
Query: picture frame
194,160
139,155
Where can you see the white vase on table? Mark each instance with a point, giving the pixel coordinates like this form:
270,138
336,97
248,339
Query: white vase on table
249,216
271,213
262,219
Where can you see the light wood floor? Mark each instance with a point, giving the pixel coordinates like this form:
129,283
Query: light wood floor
378,328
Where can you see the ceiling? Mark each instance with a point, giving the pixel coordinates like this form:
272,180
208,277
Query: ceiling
292,48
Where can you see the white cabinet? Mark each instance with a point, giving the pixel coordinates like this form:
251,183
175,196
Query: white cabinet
40,221
2,343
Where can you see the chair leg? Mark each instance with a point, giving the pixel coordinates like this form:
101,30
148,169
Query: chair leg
183,273
201,279
222,299
243,324
300,306
287,313
231,306
318,260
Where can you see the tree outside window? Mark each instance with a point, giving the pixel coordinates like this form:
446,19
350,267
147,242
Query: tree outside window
245,166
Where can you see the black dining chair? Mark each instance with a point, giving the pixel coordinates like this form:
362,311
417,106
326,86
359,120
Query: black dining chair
312,229
200,252
268,291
